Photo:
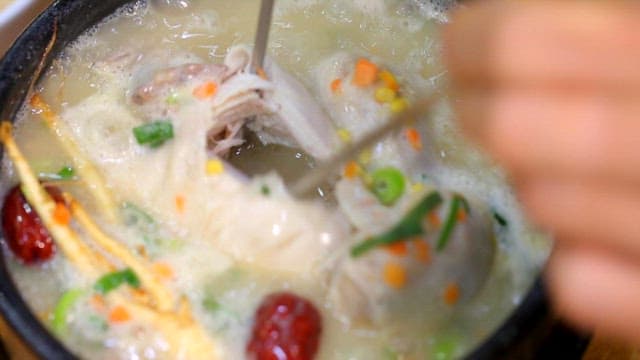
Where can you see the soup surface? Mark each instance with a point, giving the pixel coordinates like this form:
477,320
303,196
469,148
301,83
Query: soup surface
176,236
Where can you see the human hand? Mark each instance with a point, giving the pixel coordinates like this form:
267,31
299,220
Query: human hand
551,89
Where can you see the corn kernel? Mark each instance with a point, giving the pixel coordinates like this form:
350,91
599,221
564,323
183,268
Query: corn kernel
417,187
385,95
344,135
399,105
214,167
389,80
364,157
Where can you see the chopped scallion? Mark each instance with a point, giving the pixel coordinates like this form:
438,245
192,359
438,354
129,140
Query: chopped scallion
500,219
154,134
265,190
387,184
450,222
113,280
67,173
61,311
409,226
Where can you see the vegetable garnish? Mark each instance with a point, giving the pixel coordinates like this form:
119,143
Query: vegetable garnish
262,74
388,185
172,99
351,170
67,173
265,190
344,135
205,90
413,137
365,73
397,249
458,203
389,80
163,270
336,86
451,294
214,167
423,251
395,275
113,280
61,311
61,214
399,105
154,134
180,203
119,314
385,95
500,219
410,226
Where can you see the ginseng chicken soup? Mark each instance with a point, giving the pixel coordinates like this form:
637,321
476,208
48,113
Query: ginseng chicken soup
146,211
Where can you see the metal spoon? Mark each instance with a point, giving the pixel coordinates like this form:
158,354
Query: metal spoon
262,35
311,180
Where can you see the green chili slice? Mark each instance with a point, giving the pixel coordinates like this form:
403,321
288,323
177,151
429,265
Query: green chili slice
409,226
63,307
154,134
451,221
387,184
113,280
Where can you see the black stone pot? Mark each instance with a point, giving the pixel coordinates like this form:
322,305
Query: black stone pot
530,332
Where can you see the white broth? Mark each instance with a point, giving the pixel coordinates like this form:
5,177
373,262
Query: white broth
189,209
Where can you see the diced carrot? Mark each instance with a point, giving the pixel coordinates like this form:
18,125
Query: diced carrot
395,275
61,214
462,215
336,86
180,203
389,80
262,73
205,90
365,73
351,170
398,248
434,219
413,137
451,294
119,314
423,251
163,270
98,303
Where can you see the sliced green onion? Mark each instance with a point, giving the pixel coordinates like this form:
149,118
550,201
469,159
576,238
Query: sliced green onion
61,311
67,173
211,304
154,134
451,221
409,226
388,185
265,190
135,216
113,280
445,348
500,219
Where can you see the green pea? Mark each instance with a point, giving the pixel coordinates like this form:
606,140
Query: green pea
388,185
445,348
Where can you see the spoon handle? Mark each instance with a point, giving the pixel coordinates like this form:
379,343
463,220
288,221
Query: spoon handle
262,35
310,181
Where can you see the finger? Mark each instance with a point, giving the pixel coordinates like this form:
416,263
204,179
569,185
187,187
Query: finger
556,133
563,43
594,289
592,214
